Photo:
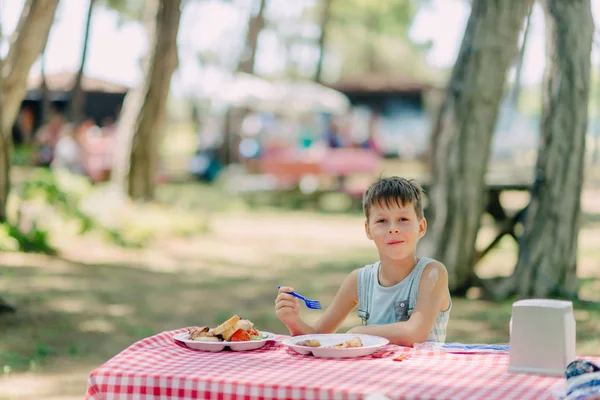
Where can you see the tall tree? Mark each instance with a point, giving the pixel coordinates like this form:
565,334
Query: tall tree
255,26
521,61
4,151
144,112
548,252
46,101
27,42
463,132
77,101
325,18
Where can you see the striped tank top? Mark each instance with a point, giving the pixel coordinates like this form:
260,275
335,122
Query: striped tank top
378,305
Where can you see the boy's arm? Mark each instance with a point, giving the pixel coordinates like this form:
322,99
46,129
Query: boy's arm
432,288
343,303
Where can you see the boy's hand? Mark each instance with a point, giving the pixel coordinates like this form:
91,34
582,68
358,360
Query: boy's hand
287,307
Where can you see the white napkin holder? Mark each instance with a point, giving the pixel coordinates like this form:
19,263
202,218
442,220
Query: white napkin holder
542,337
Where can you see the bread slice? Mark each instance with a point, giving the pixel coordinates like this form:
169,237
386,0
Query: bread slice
228,333
225,326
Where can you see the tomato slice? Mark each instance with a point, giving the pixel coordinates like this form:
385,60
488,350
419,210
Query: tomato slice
239,336
253,332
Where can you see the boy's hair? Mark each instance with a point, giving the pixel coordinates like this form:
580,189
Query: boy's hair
392,190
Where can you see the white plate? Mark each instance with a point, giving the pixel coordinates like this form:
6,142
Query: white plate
218,346
370,345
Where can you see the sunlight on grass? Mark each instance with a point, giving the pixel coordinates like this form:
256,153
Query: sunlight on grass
78,310
97,325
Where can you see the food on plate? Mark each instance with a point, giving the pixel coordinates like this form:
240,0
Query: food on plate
234,329
202,333
309,343
354,342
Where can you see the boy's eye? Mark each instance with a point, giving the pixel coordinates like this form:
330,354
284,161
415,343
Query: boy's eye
380,221
403,219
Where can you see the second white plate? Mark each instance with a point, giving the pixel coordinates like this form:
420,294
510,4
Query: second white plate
370,345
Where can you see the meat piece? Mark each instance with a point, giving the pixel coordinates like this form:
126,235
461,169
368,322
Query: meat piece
354,342
309,343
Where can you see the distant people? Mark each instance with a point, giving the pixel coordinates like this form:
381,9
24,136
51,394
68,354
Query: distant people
68,152
372,142
98,148
23,129
305,133
333,135
46,139
109,127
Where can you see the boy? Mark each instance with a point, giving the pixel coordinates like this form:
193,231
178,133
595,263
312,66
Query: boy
401,297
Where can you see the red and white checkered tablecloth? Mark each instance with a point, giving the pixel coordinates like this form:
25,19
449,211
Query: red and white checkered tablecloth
159,368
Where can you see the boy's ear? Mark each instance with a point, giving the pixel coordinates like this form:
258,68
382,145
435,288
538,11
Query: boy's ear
367,230
422,227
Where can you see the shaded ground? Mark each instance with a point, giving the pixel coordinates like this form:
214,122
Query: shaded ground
77,311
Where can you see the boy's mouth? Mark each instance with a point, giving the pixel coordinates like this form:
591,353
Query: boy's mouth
395,242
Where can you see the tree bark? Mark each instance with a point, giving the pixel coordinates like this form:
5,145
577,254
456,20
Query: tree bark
323,39
46,101
548,252
132,105
520,61
28,42
255,26
151,115
77,101
463,133
4,175
4,152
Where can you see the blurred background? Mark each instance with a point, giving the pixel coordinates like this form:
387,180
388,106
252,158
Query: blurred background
168,163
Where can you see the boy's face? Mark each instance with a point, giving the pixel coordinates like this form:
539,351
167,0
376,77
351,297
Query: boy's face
395,229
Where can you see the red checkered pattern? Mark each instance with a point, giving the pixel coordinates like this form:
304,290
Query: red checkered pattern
159,368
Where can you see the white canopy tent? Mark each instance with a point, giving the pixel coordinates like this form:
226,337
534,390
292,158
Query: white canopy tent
245,90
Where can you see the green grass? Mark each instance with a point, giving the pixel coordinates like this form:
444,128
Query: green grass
78,310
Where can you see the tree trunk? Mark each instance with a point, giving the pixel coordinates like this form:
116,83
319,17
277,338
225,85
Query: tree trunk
4,174
463,133
4,153
255,26
151,117
46,101
132,105
548,253
520,61
323,39
28,42
77,101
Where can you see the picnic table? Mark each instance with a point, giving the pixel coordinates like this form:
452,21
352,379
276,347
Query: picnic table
158,367
291,165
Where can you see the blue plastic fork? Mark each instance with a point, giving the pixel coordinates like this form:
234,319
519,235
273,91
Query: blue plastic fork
312,304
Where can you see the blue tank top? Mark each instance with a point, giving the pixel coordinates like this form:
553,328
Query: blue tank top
379,305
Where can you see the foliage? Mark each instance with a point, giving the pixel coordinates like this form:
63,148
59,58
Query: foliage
59,203
35,240
61,191
39,199
372,36
127,9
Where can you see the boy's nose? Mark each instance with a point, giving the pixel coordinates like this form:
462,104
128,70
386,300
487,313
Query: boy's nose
394,230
